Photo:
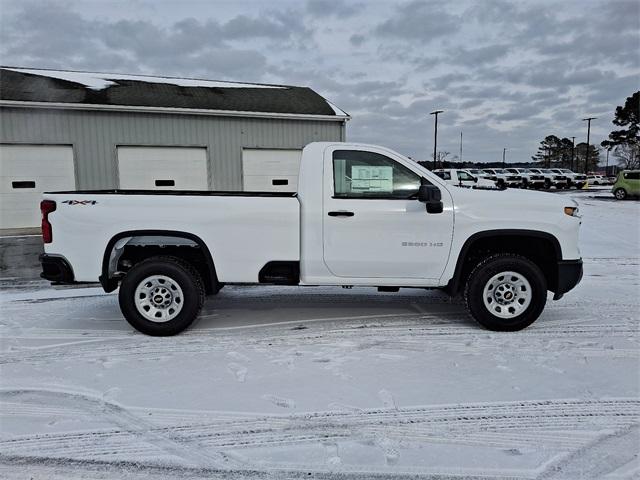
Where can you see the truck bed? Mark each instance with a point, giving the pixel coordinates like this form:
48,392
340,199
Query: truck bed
243,230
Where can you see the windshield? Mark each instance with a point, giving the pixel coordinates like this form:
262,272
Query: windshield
565,170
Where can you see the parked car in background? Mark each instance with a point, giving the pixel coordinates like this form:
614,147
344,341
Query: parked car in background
597,180
578,180
503,178
529,179
463,178
551,179
476,172
627,184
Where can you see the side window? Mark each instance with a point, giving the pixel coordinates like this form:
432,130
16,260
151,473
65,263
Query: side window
444,175
632,175
359,174
464,177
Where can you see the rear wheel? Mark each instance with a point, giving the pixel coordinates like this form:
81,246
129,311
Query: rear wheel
161,296
620,193
506,292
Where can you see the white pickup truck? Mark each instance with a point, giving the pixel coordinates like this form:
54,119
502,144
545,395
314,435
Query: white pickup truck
363,216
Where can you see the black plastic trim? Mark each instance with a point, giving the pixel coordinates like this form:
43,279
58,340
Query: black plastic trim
56,269
569,275
280,272
453,287
110,284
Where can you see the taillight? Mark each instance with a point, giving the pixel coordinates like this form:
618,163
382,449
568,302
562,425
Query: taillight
46,207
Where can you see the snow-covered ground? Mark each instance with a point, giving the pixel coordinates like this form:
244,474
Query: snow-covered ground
330,383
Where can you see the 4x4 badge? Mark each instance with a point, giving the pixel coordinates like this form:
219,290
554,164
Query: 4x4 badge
80,202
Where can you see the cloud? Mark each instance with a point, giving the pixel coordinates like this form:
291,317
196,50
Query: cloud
419,20
357,39
506,72
326,8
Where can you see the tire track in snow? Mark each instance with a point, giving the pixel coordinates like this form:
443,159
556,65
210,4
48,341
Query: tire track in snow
403,334
604,455
555,424
126,422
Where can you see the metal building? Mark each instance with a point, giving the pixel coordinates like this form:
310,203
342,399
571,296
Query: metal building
64,130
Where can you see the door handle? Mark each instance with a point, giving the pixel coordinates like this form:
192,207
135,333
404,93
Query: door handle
341,213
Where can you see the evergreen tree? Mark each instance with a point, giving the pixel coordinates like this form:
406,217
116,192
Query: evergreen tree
581,157
626,142
554,152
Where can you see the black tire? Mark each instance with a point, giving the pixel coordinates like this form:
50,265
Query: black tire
180,272
488,269
547,184
620,193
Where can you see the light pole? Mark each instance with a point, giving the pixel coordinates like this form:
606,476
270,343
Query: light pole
586,160
573,149
435,137
606,167
504,152
461,146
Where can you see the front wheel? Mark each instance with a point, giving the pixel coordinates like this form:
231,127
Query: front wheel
620,193
161,296
506,292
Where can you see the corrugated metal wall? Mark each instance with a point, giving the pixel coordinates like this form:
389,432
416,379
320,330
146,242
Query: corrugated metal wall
95,136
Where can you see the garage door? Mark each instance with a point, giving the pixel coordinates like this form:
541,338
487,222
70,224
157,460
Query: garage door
25,172
267,170
162,168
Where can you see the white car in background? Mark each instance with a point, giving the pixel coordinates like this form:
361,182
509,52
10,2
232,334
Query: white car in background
529,179
504,178
463,178
574,179
597,180
551,179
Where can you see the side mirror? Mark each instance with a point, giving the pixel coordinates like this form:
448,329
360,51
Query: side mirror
475,179
431,196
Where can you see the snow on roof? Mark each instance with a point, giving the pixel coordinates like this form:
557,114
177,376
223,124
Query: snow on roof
32,85
100,81
336,109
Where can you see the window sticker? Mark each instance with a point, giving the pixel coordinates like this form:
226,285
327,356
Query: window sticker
365,178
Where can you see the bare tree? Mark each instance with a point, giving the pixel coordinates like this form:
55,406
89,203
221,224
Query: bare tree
441,157
628,156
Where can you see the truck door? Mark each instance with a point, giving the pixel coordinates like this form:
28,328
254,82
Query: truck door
373,224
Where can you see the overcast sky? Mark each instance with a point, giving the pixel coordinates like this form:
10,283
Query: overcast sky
507,73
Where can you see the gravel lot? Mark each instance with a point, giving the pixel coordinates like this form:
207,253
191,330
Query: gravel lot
329,383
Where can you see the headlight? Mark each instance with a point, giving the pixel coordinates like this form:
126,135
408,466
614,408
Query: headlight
571,211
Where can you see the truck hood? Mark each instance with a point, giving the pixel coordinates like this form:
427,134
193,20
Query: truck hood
509,200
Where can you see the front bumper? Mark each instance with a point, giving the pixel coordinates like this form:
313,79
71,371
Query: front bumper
56,269
569,275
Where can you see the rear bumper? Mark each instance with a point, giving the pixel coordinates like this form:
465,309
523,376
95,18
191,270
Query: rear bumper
56,269
569,275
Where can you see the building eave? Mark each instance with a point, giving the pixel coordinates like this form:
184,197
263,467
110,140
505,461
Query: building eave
170,110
